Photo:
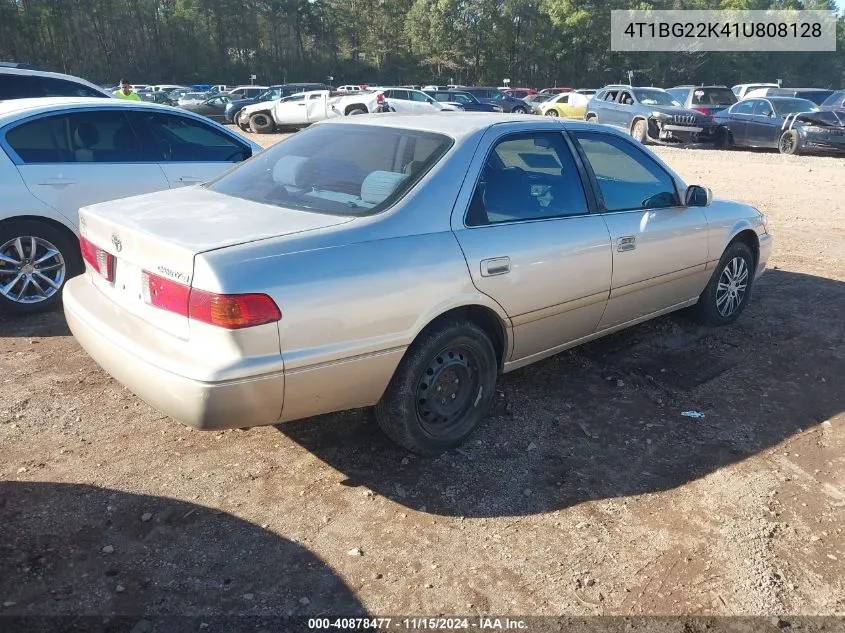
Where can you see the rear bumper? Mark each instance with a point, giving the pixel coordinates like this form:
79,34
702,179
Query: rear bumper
101,329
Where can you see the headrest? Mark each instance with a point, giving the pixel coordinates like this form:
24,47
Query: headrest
379,185
86,135
286,170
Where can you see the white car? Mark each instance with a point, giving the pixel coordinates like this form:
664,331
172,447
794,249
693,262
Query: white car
165,87
18,81
245,92
406,101
741,90
304,108
59,154
350,88
192,97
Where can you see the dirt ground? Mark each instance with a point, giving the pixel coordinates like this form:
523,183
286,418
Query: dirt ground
585,491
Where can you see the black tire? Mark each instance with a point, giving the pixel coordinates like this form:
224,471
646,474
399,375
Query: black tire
591,118
552,113
640,131
709,309
519,110
722,138
789,143
438,359
67,264
262,123
356,110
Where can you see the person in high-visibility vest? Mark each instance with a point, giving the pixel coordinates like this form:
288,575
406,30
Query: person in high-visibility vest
126,92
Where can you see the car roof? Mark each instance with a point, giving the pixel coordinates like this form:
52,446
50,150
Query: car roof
31,72
15,109
458,124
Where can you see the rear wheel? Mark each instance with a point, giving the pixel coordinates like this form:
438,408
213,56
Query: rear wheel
262,123
357,110
552,112
519,110
789,142
640,131
441,390
36,259
727,293
591,118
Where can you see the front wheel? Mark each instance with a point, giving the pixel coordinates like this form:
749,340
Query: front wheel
519,110
35,261
591,118
356,111
728,290
441,390
552,113
262,123
640,131
789,142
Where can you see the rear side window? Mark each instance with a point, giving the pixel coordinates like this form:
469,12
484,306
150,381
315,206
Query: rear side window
54,87
19,86
79,137
323,169
527,177
628,178
744,107
175,138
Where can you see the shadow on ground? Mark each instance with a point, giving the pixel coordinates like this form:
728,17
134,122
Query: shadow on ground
50,323
76,550
604,420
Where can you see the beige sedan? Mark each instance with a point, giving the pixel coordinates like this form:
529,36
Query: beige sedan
402,262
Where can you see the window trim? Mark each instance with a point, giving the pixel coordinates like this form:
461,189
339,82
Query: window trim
141,107
199,120
743,101
576,158
594,183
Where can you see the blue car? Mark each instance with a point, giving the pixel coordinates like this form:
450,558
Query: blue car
273,93
463,99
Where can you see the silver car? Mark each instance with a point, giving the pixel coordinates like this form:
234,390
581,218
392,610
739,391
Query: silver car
401,262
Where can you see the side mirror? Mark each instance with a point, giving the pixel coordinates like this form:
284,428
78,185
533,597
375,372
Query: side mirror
698,196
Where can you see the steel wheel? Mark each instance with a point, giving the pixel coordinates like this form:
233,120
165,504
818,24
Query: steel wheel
32,270
733,282
446,391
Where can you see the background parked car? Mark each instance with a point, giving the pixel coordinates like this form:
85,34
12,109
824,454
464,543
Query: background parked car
245,92
161,97
555,91
741,90
816,95
519,93
569,105
213,108
59,154
409,101
790,124
536,99
462,99
648,114
20,81
495,96
836,101
705,99
586,91
192,97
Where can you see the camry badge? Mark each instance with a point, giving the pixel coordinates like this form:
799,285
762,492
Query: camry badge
115,240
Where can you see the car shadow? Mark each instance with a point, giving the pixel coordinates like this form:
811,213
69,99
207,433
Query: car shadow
49,323
605,420
82,551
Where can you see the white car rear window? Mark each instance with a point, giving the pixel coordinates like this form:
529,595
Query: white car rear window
337,169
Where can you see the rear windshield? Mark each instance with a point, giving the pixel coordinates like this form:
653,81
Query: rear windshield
713,96
337,169
816,96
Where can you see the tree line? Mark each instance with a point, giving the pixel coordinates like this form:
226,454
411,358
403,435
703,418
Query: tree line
534,43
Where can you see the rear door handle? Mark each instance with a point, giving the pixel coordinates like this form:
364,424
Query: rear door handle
627,243
57,182
495,266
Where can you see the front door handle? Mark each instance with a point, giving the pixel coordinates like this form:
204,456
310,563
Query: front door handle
189,180
627,243
495,266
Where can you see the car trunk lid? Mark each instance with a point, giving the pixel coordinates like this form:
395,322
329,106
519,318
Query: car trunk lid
161,233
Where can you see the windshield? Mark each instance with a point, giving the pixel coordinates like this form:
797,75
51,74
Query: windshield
791,106
655,97
835,99
323,169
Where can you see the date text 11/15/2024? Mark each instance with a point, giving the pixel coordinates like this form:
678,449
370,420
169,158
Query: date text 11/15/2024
417,624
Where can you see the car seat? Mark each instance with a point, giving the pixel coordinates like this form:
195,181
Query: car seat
84,138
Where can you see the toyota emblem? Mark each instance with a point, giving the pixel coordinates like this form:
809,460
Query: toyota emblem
115,240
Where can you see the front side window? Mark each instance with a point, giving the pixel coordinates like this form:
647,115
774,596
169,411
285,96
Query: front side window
419,96
78,137
527,177
628,178
175,138
323,169
744,107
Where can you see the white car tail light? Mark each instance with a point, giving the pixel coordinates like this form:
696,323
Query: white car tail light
100,260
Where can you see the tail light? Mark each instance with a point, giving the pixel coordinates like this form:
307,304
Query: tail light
227,311
702,110
380,98
100,260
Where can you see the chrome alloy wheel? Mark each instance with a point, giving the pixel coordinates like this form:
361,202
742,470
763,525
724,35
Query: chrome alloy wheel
733,282
31,270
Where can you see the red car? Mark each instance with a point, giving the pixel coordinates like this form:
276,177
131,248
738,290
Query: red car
520,93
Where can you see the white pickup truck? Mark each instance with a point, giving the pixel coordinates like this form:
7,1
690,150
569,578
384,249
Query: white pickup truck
304,108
